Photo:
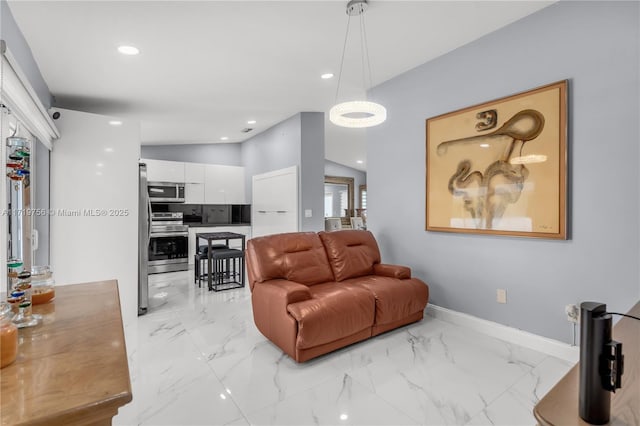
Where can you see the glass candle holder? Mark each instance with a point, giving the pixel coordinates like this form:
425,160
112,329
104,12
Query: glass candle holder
8,336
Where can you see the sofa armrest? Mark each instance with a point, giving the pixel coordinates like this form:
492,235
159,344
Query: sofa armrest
270,300
283,292
393,271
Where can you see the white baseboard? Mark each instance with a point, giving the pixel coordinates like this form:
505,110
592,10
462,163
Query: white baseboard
509,334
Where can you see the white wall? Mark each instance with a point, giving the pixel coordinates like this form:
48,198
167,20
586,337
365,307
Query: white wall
228,154
596,45
94,168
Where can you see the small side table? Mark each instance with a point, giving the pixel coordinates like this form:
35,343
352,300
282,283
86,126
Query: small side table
217,236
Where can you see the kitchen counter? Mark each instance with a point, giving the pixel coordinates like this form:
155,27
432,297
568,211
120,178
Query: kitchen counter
71,369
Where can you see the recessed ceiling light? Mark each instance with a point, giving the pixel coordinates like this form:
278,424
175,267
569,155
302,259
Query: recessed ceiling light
484,145
359,161
251,122
108,150
326,76
128,50
224,138
115,122
99,164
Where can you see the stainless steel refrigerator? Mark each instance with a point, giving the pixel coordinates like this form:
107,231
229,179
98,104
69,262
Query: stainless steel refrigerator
144,229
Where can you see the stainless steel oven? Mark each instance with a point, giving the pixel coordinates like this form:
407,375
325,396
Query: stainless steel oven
166,192
168,245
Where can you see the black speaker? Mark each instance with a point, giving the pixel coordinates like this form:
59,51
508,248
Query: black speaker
601,363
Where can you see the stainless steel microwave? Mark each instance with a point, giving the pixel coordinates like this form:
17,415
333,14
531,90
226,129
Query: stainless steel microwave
165,192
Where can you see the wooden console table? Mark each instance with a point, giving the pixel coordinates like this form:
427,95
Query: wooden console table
560,405
71,369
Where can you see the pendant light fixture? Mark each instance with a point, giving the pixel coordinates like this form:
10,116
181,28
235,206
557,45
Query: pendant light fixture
357,113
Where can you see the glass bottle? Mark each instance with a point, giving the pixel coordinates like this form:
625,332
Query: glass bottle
42,285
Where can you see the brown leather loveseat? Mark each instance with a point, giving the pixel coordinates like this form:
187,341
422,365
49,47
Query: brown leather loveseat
314,293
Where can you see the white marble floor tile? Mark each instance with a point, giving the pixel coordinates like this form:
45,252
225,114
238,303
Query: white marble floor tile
536,383
203,402
198,345
515,406
438,393
505,411
238,422
264,375
338,401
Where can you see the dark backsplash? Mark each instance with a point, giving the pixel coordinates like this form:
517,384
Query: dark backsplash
209,214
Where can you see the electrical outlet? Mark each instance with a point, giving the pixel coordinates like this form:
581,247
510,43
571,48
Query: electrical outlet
573,313
501,295
308,213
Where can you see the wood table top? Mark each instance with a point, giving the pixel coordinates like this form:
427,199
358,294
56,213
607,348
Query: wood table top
72,368
560,405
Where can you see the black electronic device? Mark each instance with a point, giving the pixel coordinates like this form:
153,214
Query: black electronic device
601,363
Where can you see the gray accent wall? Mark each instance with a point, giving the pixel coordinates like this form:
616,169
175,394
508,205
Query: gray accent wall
312,167
276,148
228,154
595,45
17,45
359,178
296,141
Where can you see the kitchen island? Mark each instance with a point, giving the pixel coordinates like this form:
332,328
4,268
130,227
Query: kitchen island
71,369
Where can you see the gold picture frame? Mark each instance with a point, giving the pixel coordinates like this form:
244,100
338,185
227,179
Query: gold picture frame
500,167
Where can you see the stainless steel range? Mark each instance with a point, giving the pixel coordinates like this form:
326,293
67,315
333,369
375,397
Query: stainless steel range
168,245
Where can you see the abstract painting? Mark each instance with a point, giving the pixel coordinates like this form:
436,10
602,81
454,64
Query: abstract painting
500,167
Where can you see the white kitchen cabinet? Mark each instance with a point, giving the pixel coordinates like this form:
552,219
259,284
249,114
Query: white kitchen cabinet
194,193
234,244
224,184
194,173
164,171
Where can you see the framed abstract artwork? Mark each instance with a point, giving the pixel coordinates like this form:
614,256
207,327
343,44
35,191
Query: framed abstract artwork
500,167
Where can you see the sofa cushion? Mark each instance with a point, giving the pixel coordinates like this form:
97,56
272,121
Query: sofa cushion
333,312
298,257
395,298
351,253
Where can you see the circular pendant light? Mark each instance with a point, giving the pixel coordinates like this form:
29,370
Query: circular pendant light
357,113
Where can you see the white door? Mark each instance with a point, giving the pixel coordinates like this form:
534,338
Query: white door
275,202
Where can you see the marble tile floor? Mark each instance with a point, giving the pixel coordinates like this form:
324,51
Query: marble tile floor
197,359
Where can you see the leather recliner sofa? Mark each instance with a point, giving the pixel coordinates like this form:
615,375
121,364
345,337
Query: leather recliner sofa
315,293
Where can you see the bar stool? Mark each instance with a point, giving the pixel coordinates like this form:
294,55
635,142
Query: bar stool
200,261
228,269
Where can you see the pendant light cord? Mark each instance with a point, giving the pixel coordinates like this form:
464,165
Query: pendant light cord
362,42
344,49
366,50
